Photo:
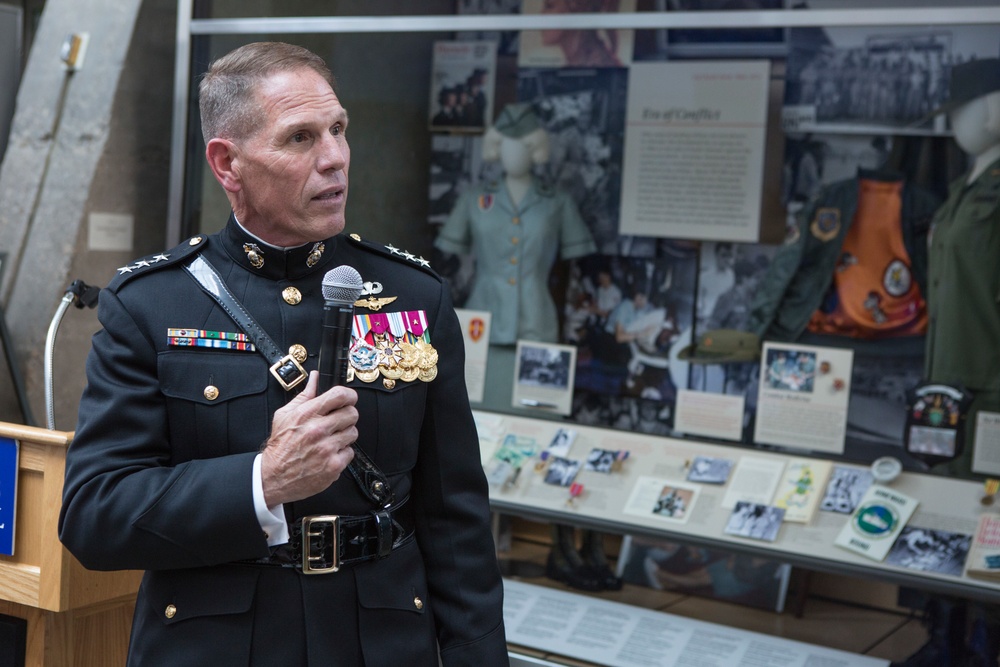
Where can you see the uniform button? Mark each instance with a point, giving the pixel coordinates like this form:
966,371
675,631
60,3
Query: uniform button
516,220
170,611
355,237
299,353
195,241
418,603
513,260
389,383
291,295
512,281
515,240
211,392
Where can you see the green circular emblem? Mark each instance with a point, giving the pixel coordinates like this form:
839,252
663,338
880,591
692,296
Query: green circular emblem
875,520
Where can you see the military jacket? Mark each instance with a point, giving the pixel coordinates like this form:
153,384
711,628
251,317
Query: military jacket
963,338
515,247
158,476
803,268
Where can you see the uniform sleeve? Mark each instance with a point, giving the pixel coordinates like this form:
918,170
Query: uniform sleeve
452,505
455,236
125,505
575,239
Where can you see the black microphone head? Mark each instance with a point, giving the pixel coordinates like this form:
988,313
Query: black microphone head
342,285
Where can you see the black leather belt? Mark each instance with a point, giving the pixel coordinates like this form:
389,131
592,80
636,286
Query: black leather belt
323,543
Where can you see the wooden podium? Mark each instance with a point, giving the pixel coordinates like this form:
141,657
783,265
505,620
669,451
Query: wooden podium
75,617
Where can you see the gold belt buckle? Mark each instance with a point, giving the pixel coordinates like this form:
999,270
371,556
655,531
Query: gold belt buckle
308,532
284,363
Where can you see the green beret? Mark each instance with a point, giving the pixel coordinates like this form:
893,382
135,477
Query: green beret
517,120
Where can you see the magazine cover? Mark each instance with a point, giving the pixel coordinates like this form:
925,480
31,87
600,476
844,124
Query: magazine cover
463,78
711,573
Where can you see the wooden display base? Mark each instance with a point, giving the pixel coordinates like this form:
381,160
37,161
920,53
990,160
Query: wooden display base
76,617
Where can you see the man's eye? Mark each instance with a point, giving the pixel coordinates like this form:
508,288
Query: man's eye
336,130
299,137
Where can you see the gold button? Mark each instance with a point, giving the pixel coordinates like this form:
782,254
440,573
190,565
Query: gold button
171,611
418,603
389,383
512,281
211,392
291,295
299,353
355,237
513,260
515,240
195,241
516,220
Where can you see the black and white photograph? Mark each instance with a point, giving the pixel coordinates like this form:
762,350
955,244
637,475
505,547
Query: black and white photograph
462,85
639,415
845,489
709,470
584,114
561,471
674,502
544,376
937,551
601,460
507,40
561,442
862,79
756,521
629,318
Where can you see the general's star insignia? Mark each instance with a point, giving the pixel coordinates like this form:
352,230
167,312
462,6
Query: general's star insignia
393,249
161,258
142,263
125,269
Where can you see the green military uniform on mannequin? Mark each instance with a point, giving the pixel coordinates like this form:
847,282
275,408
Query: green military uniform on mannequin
963,341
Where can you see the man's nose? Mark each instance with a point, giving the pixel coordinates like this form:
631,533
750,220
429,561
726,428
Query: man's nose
333,153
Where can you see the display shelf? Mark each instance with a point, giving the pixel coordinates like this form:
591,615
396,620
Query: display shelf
945,504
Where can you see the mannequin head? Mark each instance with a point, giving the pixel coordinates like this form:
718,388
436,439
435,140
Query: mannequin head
977,124
517,139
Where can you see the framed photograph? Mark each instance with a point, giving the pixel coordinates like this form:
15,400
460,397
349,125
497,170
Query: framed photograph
463,79
544,374
575,48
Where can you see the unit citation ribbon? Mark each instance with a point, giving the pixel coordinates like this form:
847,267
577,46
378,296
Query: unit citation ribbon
225,340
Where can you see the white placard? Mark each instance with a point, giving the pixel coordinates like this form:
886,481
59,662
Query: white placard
620,635
476,333
754,481
986,455
710,415
804,391
110,231
694,149
543,377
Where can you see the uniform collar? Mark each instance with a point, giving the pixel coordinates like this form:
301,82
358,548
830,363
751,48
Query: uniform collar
273,262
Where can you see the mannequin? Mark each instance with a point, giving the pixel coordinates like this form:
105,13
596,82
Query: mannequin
515,228
964,327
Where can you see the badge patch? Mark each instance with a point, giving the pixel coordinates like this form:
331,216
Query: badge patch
826,225
485,202
897,278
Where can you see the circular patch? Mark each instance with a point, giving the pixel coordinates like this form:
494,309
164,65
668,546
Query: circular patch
875,520
897,278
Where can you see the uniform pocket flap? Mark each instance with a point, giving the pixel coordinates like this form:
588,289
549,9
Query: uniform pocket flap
180,595
394,583
211,378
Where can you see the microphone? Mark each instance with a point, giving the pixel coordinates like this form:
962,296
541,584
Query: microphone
342,286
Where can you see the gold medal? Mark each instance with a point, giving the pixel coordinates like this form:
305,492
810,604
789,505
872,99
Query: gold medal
367,376
410,374
428,374
392,372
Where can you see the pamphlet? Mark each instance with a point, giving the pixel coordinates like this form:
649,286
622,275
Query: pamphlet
984,554
801,488
877,522
754,480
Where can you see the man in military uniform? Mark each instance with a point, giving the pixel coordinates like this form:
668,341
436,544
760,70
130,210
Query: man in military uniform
266,538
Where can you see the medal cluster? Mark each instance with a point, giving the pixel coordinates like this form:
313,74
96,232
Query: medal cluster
392,359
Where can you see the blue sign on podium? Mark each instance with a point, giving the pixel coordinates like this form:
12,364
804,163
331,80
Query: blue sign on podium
8,494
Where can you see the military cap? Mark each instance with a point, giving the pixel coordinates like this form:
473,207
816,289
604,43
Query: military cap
971,80
722,346
517,120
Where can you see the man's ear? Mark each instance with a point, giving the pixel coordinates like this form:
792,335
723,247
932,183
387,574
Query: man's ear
221,157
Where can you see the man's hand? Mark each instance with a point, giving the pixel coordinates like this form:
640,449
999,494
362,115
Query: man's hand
310,443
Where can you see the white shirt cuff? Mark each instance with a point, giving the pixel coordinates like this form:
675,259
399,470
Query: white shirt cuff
271,519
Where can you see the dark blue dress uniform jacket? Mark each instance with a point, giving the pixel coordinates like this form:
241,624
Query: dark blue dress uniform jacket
158,476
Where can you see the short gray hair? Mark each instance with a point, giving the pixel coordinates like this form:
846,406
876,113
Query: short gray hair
226,92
